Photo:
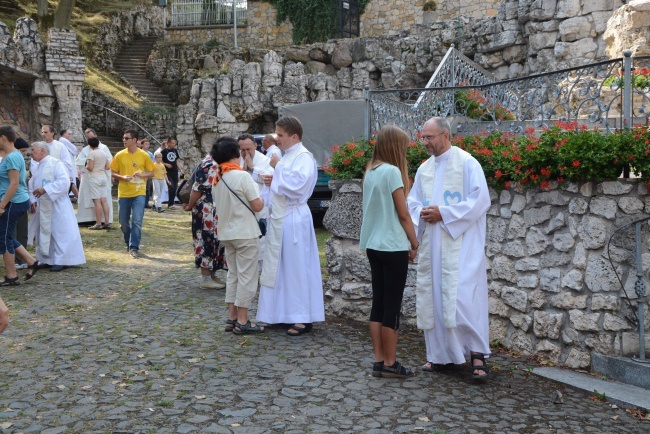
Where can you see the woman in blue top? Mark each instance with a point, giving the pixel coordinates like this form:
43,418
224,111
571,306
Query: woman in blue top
388,235
14,202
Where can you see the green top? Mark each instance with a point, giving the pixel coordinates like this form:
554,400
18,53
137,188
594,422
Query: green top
381,229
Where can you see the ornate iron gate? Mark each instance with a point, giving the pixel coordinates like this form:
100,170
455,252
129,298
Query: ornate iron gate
346,18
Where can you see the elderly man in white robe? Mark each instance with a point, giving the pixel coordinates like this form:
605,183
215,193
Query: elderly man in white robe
56,150
85,205
448,205
291,290
53,225
257,164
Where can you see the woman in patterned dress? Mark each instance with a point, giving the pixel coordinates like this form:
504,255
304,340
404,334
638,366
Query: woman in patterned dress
208,254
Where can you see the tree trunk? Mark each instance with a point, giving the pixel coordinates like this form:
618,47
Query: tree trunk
42,8
63,14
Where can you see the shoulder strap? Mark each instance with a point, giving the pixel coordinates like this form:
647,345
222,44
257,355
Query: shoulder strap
237,196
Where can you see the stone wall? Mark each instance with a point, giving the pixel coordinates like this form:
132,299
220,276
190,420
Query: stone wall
390,17
159,125
46,78
446,10
261,30
552,289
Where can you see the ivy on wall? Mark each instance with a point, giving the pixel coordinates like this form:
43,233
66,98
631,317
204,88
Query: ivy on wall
313,20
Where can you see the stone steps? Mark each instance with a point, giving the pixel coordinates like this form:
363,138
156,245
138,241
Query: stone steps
131,64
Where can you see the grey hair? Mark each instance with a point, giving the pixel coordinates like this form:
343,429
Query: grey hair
441,124
42,145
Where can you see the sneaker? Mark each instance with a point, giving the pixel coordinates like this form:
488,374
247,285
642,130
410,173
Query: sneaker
171,207
21,266
211,284
135,254
160,209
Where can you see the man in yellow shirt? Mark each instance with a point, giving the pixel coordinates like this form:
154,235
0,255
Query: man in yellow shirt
131,167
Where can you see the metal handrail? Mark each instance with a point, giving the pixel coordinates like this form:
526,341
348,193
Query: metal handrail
639,286
124,117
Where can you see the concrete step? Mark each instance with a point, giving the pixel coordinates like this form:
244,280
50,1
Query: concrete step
625,395
622,369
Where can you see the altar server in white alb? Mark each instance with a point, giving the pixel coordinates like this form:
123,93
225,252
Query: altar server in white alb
291,289
53,224
448,204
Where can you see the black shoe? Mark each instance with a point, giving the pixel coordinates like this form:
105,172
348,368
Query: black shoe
56,268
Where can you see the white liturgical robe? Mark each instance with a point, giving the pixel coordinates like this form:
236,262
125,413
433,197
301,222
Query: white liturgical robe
85,205
261,166
452,295
65,247
291,288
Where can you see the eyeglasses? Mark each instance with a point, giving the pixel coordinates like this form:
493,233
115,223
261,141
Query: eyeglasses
126,138
430,138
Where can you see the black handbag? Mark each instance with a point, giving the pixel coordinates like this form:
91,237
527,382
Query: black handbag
260,222
185,189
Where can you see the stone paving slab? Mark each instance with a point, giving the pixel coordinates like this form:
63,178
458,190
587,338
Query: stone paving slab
133,346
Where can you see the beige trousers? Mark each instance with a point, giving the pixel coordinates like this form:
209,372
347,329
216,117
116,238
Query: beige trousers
241,284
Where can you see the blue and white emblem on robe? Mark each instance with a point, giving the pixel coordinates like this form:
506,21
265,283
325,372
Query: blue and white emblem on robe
452,198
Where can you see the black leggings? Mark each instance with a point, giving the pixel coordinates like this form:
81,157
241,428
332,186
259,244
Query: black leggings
173,179
388,271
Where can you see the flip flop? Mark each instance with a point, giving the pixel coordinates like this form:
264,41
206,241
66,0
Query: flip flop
300,330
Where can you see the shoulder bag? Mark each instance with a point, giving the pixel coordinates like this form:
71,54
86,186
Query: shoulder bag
260,222
185,189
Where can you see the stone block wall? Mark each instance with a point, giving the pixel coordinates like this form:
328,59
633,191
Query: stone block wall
466,8
552,289
261,30
390,17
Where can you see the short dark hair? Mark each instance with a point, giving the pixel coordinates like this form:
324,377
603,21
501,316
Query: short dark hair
50,128
224,150
291,125
63,132
134,134
245,137
9,133
93,142
169,139
90,130
21,143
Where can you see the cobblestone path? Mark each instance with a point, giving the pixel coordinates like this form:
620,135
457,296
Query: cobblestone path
123,345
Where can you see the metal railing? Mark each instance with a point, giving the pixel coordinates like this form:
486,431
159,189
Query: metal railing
110,126
208,12
629,239
608,95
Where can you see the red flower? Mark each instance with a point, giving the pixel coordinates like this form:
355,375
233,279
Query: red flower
335,148
350,146
545,185
208,224
346,161
545,171
534,177
560,180
418,135
530,130
372,142
498,174
575,163
506,184
359,154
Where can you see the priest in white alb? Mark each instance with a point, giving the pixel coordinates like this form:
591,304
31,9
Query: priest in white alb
291,287
52,226
448,205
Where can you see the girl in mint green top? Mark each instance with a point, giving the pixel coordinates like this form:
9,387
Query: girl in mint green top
14,161
388,235
381,228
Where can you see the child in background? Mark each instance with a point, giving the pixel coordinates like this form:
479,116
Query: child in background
159,179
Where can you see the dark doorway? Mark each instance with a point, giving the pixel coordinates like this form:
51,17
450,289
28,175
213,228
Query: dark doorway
346,18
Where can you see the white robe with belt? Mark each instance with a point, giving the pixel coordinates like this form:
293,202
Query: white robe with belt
291,288
450,340
65,241
85,205
261,166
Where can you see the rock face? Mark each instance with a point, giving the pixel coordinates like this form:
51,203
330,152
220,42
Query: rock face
561,302
629,29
